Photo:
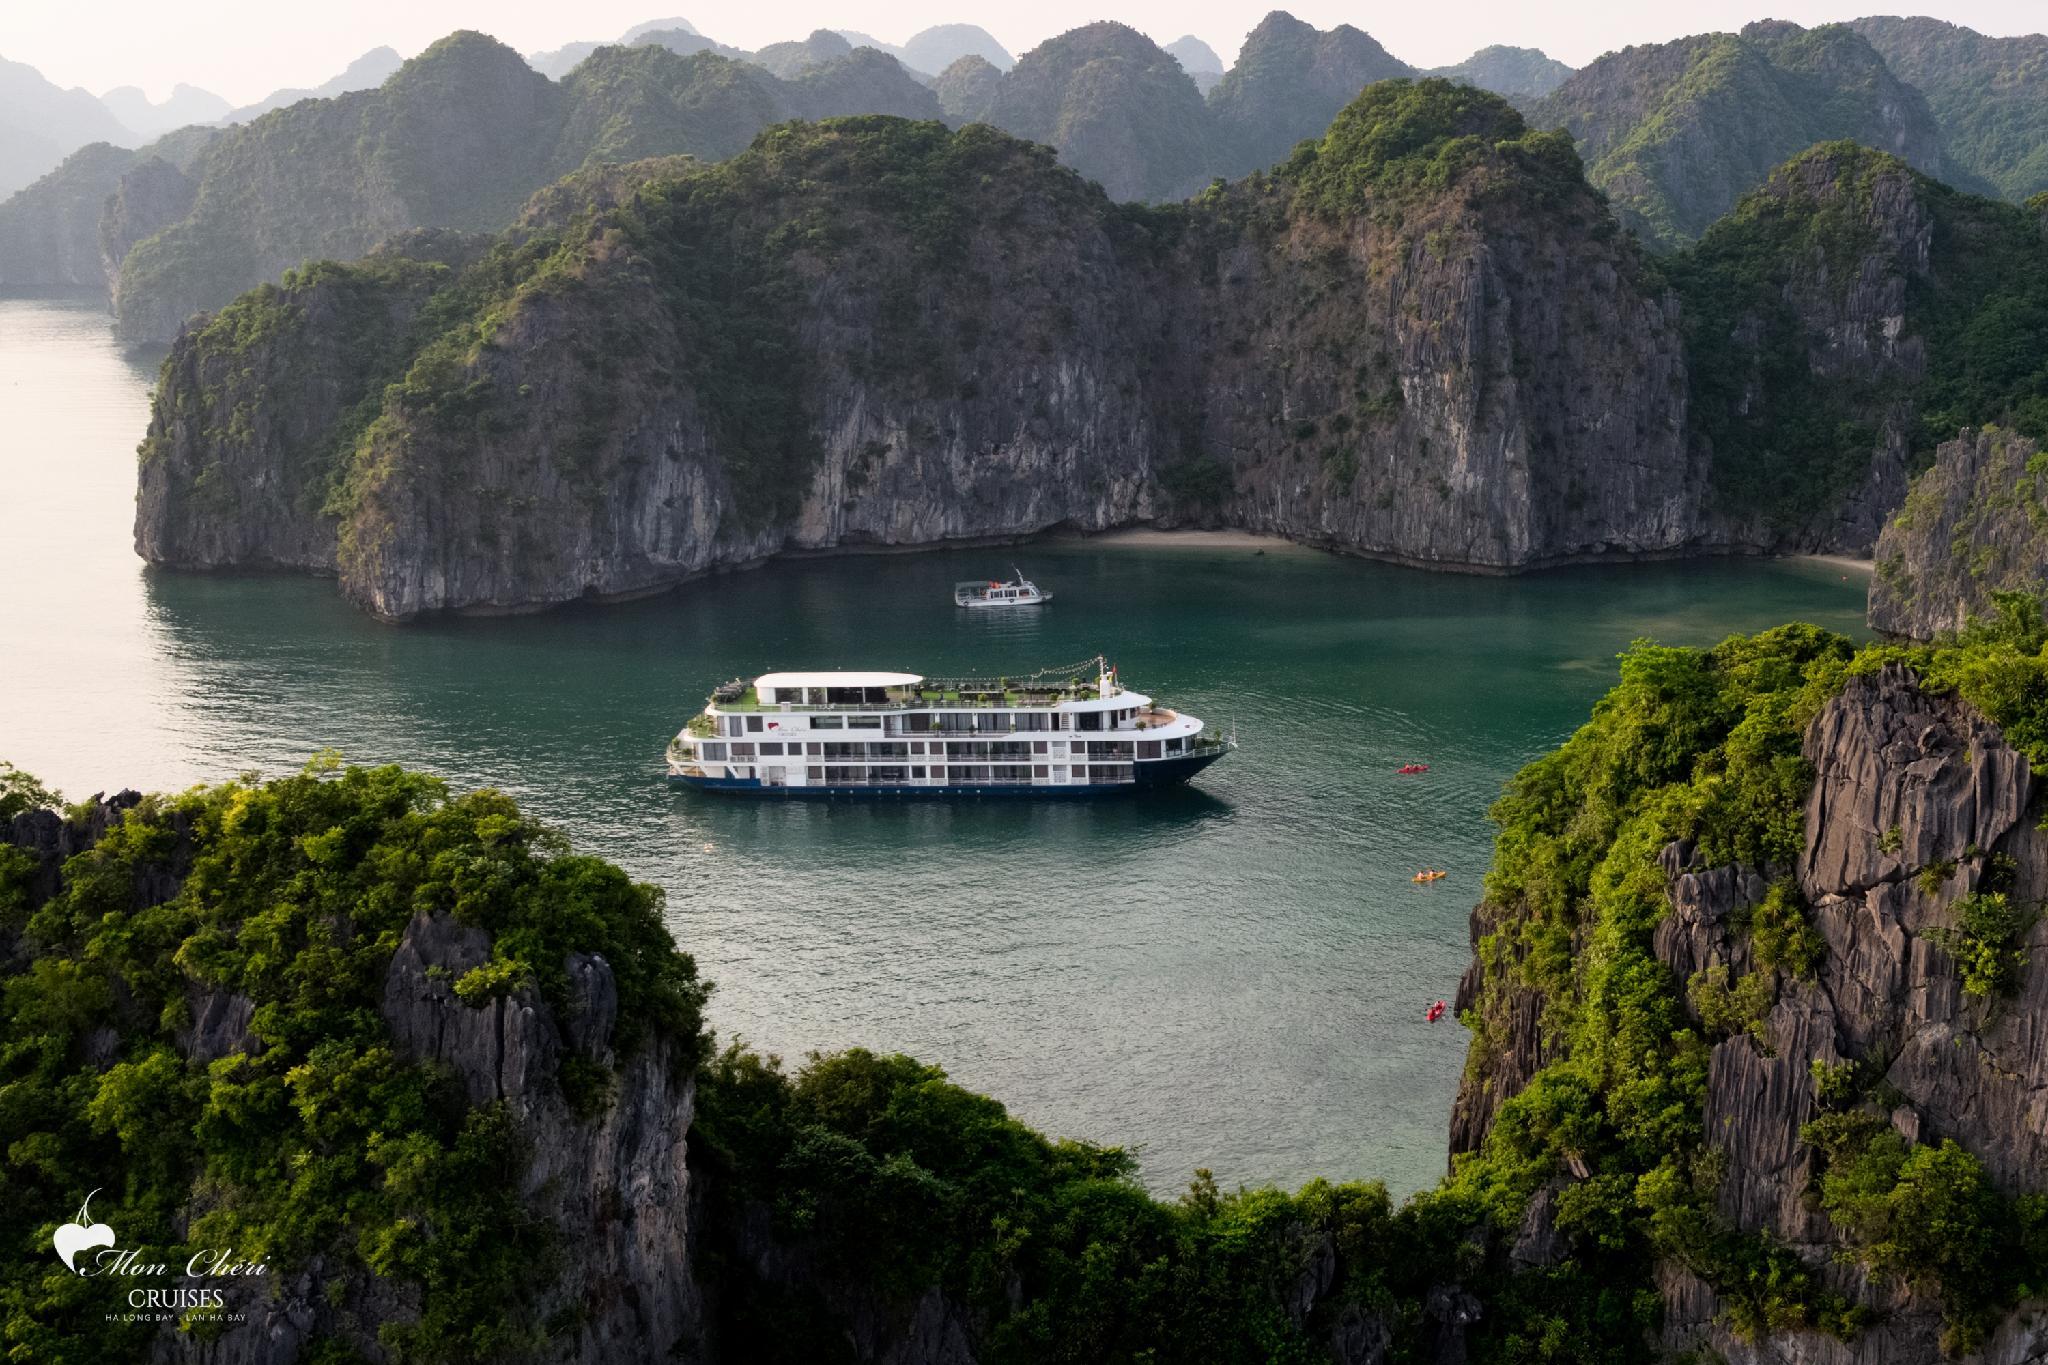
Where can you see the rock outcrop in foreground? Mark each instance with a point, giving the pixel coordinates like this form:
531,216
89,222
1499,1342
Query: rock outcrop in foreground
604,1192
1914,799
1974,525
1918,809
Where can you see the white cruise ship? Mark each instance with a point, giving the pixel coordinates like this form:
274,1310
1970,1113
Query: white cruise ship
1056,732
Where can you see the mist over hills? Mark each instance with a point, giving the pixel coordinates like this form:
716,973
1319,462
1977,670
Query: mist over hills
936,48
366,72
41,124
1199,60
149,118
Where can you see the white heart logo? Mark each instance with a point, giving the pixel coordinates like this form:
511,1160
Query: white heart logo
73,1238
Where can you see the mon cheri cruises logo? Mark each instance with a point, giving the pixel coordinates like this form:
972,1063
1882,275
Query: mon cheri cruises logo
80,1235
90,1250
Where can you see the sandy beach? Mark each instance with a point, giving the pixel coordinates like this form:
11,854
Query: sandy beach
1147,538
1846,562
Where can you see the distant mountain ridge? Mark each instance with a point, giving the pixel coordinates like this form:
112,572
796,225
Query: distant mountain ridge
932,50
1990,96
366,72
1118,108
458,138
149,118
1676,132
1289,81
1516,72
927,52
41,124
1198,59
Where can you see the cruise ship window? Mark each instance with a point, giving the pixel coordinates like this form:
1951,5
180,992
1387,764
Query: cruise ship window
863,722
713,752
917,770
828,722
754,725
815,772
771,751
1038,746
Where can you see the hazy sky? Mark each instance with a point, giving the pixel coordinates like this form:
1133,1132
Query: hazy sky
243,49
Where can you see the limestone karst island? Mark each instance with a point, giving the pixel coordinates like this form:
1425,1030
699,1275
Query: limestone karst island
865,684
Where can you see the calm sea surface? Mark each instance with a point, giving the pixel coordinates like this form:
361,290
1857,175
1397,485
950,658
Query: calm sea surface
1233,976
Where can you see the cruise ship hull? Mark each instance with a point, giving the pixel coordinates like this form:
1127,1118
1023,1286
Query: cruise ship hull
1146,776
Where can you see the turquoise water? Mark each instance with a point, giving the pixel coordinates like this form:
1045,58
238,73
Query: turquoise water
1232,976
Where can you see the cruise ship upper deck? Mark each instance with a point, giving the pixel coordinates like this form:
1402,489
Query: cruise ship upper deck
1090,685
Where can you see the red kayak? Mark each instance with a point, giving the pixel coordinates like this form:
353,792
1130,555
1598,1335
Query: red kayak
1408,768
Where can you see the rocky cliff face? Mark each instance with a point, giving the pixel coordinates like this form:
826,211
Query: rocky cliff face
1830,322
1917,802
150,197
248,488
1974,524
1838,323
1481,379
618,1183
1519,355
49,230
613,1185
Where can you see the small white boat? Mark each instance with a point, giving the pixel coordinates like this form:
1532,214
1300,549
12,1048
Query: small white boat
1017,592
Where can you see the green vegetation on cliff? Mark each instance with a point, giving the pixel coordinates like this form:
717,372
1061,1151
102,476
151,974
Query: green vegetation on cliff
1521,73
301,1134
1403,140
1704,747
1848,297
1675,133
1699,745
1990,95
